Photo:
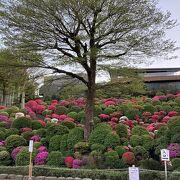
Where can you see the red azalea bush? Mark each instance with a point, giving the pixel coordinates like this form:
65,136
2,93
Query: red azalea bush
69,161
128,158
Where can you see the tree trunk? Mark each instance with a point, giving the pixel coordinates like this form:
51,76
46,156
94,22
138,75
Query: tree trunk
23,99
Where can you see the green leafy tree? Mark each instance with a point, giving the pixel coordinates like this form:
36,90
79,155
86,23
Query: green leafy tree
86,33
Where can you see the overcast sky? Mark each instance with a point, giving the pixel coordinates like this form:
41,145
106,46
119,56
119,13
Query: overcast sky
174,7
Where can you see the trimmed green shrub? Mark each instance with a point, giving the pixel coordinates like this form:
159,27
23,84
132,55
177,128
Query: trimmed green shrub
41,132
68,124
55,158
46,112
99,134
167,108
12,109
121,130
112,159
96,120
76,109
108,110
2,135
147,142
36,124
149,108
61,110
112,140
56,129
97,110
2,148
176,138
12,131
73,115
64,145
140,152
36,145
4,158
176,163
81,116
75,135
120,150
98,147
27,135
22,158
162,131
131,113
138,130
82,147
135,140
14,141
151,164
22,122
54,143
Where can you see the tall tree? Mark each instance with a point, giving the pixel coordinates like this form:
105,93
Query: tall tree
86,32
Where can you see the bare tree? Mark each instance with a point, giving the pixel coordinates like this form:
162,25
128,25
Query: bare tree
86,32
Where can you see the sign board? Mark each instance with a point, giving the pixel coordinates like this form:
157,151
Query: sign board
133,173
165,155
31,146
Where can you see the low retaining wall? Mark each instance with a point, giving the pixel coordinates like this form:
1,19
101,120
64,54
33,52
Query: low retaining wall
21,177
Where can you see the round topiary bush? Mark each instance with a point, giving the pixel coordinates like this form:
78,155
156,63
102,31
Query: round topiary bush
149,108
14,141
36,124
12,131
54,143
140,152
98,147
176,162
81,116
76,109
41,132
82,147
97,110
121,130
22,158
61,110
138,130
4,158
120,150
175,138
55,158
75,135
64,145
27,135
151,164
73,115
135,140
112,160
99,134
2,135
68,124
108,110
56,129
112,140
147,142
12,109
128,158
22,122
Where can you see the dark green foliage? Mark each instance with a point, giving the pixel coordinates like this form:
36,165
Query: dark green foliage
108,110
27,135
55,158
138,130
68,124
149,108
41,132
176,163
75,135
2,129
120,150
99,134
54,143
97,110
135,140
45,141
96,120
22,122
2,135
56,129
36,124
61,110
82,147
131,113
112,140
167,108
14,141
112,159
147,142
140,152
121,130
76,109
64,145
12,109
36,145
176,138
98,147
2,148
2,124
12,131
151,164
47,112
4,158
22,158
81,116
73,115
162,131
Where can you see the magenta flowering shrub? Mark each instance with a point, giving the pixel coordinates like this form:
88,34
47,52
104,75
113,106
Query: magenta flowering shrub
104,116
26,130
3,118
64,103
15,151
36,138
174,149
42,149
41,158
172,113
77,163
2,143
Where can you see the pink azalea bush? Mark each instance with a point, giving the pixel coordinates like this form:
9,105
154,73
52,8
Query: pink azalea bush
41,158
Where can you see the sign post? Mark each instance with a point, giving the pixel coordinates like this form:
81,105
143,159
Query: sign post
30,159
165,158
133,173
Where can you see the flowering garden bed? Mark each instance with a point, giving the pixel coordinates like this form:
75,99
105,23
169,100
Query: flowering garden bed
126,132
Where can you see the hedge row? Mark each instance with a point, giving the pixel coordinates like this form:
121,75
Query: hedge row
87,173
